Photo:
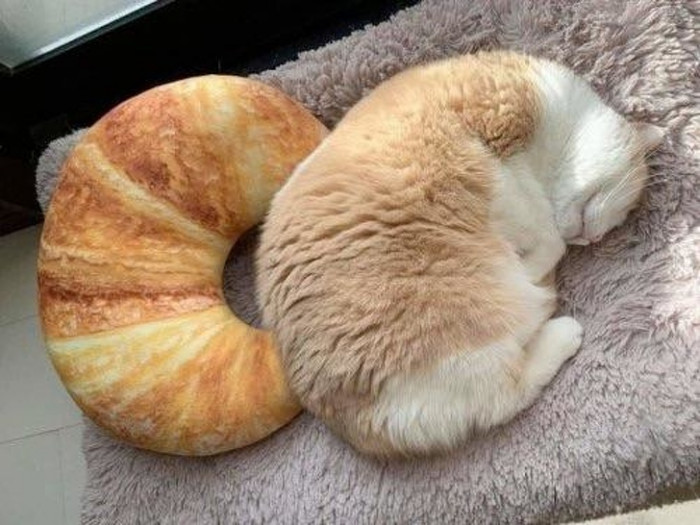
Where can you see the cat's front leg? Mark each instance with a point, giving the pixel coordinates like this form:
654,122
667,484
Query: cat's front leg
543,257
524,217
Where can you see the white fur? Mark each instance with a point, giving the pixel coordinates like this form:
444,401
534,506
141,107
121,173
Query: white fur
571,185
477,389
581,155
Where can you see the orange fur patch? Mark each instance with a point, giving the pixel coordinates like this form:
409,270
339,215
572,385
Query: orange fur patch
378,257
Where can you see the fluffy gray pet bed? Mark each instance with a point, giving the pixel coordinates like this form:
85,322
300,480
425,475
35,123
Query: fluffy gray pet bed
620,422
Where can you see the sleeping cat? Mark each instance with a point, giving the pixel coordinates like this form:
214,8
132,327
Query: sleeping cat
406,266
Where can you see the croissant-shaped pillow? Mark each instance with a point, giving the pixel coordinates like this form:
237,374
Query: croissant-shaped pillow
147,208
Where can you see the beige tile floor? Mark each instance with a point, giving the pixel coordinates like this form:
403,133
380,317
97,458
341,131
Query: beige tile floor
42,469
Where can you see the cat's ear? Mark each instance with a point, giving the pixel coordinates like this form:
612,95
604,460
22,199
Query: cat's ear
651,136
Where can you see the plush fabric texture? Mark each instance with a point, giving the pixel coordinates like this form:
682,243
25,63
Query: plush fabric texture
622,419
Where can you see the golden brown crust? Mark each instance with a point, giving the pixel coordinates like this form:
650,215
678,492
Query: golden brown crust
172,143
104,262
219,389
147,208
80,307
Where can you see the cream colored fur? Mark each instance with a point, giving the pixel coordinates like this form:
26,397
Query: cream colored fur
406,266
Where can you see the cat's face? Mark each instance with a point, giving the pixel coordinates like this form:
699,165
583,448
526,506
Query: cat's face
607,180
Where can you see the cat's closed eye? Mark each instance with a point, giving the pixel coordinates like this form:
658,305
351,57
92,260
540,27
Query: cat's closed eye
603,212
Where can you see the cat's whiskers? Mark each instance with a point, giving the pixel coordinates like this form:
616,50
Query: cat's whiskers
645,187
613,193
648,182
634,190
623,188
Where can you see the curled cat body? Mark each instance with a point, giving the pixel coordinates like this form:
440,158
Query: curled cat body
406,266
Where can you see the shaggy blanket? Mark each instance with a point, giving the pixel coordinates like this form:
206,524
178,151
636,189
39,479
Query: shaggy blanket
619,423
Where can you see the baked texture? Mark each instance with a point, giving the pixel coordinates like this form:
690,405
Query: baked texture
147,208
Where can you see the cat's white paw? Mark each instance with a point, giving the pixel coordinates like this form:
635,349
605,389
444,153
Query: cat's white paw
565,334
